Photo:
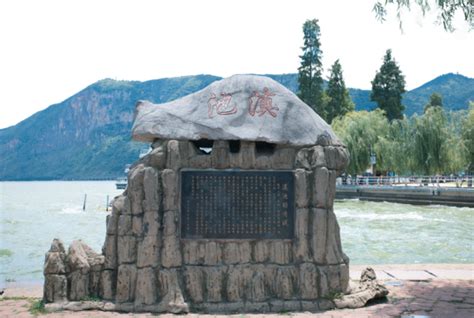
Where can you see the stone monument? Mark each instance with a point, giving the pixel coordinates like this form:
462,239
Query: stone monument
232,211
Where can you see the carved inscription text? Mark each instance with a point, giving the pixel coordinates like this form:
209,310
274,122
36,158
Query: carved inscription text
237,204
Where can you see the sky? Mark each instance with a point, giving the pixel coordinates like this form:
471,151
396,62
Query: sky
50,50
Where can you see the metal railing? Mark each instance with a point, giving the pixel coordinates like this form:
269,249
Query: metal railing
466,181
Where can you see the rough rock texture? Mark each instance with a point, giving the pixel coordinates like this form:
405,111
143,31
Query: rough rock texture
145,264
367,289
250,107
55,281
72,276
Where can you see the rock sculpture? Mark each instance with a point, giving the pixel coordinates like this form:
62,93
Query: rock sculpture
368,289
249,123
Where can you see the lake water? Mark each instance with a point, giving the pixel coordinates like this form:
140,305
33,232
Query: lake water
33,213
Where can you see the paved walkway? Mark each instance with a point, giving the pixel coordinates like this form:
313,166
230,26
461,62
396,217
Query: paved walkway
440,290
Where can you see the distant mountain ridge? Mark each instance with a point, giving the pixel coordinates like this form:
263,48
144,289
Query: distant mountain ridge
457,90
87,136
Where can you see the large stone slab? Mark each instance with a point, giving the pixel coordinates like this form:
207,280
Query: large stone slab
241,107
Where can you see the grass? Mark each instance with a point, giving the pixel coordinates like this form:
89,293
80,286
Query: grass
285,312
16,298
333,295
37,307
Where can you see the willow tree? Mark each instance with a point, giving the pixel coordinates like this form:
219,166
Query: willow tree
360,132
430,135
468,139
394,149
446,10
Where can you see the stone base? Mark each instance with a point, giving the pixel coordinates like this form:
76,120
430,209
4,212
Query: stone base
147,266
367,289
275,306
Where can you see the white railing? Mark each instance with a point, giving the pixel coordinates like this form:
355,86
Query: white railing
429,181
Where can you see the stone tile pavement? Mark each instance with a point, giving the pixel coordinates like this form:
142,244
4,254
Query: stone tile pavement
415,291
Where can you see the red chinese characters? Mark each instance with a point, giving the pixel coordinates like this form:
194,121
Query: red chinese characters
221,106
261,103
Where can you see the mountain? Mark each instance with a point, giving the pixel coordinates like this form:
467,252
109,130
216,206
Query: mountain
87,136
457,90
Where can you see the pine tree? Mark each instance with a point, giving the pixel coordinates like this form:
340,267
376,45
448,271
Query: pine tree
436,100
388,87
310,72
339,102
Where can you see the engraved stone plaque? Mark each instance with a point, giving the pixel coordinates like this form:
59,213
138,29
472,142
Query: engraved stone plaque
233,204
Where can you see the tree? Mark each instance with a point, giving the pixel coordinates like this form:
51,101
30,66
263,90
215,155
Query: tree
456,145
339,101
310,72
447,10
436,100
360,132
433,143
388,87
468,139
430,137
395,148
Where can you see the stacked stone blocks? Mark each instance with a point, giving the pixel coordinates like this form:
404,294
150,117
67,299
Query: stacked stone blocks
146,266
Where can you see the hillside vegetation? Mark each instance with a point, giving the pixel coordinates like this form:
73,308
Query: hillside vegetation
87,136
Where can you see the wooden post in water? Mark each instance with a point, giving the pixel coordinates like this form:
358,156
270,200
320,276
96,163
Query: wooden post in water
84,205
107,204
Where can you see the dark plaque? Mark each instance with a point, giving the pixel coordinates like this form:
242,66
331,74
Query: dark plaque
232,204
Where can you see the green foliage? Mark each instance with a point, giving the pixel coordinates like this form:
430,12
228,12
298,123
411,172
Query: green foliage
37,307
87,136
333,295
430,141
434,143
447,10
456,90
339,101
310,71
360,131
436,100
455,146
392,149
388,87
361,99
468,139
